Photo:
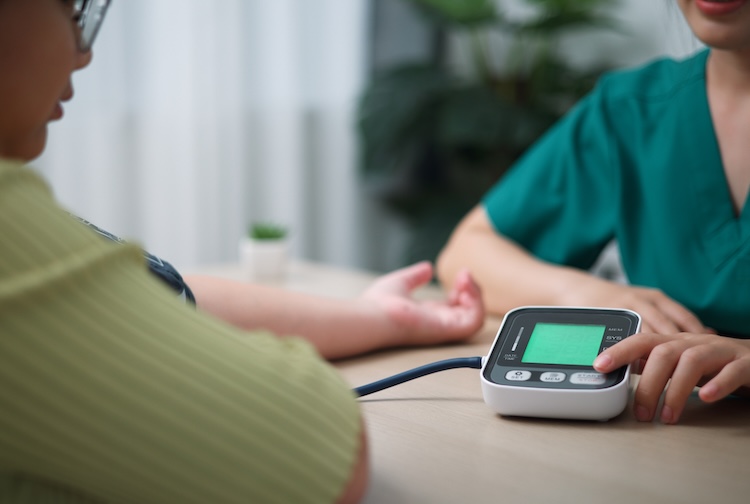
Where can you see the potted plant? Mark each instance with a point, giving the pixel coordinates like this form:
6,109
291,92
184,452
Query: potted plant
264,252
435,137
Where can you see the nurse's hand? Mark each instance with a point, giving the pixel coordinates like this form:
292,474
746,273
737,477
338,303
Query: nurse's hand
719,365
659,313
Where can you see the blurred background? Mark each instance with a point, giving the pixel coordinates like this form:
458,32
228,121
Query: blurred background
366,127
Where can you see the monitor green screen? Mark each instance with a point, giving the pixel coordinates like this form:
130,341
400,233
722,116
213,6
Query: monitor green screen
565,344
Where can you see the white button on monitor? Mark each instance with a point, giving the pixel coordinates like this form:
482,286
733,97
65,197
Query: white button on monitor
553,377
588,379
518,375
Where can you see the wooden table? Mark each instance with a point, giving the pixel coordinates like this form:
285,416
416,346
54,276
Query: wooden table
433,440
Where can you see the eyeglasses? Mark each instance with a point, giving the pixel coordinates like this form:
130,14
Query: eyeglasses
89,14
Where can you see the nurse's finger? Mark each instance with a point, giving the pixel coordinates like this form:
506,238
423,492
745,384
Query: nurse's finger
694,363
645,328
655,319
732,377
681,317
631,349
637,366
659,367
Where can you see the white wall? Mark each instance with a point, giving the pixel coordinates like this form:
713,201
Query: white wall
197,117
186,186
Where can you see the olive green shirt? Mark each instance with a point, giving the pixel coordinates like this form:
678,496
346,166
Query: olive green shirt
112,390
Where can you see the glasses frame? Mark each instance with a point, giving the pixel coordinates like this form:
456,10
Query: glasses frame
89,16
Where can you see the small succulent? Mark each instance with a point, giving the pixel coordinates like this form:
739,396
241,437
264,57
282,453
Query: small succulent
266,231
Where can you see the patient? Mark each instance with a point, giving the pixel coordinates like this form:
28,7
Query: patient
112,389
657,159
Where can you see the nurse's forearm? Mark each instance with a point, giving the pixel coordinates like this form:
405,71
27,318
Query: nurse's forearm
508,275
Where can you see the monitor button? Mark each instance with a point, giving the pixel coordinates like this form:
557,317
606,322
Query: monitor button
518,375
553,377
588,379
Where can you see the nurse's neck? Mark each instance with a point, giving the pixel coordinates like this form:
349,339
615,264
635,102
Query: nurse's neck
729,72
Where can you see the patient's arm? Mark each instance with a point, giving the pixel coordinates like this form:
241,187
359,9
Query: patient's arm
384,315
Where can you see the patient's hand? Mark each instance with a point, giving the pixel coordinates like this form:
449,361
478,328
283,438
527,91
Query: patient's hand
423,322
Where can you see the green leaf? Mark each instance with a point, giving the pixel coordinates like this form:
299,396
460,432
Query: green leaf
556,86
570,5
474,117
461,12
266,231
396,116
558,15
480,119
552,23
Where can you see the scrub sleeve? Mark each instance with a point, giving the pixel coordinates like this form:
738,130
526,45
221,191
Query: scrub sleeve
637,161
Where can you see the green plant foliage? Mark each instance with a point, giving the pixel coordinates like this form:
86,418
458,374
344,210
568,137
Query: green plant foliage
568,16
398,112
461,12
266,231
434,141
570,5
476,120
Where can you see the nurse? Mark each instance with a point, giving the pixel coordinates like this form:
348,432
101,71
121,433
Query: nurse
656,158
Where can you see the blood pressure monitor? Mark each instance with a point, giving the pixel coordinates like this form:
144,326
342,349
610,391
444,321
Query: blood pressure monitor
540,363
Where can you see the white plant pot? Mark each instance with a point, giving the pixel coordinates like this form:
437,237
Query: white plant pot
264,260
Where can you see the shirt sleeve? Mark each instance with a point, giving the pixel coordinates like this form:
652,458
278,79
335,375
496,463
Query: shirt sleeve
160,268
112,390
560,200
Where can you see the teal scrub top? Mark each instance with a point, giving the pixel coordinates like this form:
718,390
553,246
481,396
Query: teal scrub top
637,161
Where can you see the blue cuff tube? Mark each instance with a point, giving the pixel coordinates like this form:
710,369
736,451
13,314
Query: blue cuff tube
435,367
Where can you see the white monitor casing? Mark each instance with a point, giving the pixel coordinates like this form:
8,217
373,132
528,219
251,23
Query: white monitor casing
563,403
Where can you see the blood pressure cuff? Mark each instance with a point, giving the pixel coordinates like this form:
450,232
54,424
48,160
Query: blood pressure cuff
158,267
